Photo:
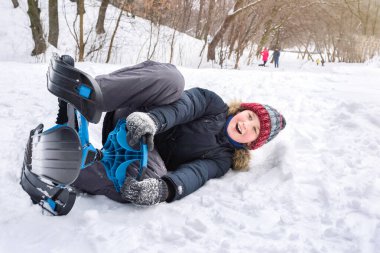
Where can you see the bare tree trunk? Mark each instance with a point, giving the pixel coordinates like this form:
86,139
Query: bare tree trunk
250,54
222,55
244,36
53,23
233,36
375,21
367,18
188,15
206,28
186,12
114,34
268,29
221,31
226,23
172,47
80,4
198,26
101,17
15,3
150,39
155,44
35,25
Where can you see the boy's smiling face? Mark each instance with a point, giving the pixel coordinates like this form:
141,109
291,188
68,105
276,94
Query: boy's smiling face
244,127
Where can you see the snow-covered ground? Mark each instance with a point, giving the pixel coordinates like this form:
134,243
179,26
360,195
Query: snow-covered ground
315,188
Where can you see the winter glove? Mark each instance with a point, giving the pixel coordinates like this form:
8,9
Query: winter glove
147,192
141,124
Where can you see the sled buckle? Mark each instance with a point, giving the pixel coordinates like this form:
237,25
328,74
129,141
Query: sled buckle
48,205
84,91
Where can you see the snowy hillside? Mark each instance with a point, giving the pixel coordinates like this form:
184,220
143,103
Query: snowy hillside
315,188
132,43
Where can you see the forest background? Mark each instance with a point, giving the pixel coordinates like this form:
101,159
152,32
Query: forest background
332,30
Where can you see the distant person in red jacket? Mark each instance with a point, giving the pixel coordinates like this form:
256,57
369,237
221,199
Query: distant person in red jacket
265,54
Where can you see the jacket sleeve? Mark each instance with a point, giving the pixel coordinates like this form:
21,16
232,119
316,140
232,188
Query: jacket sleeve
193,104
190,177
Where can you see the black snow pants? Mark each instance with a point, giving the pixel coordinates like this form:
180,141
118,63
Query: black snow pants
135,88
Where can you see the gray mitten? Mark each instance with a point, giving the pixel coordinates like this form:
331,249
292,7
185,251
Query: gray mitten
144,193
141,124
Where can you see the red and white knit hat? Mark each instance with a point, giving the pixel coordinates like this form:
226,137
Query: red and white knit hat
271,123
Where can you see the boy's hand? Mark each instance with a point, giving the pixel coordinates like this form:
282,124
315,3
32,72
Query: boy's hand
140,124
147,192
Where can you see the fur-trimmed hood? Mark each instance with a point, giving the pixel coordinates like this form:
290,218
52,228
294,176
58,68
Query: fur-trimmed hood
241,157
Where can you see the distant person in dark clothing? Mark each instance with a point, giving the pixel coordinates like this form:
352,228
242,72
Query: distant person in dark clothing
276,57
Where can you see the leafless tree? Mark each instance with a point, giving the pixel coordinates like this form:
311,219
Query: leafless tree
82,44
53,23
101,17
233,30
35,25
239,8
114,34
80,7
199,19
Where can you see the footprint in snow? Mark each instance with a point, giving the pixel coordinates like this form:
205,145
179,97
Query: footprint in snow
197,225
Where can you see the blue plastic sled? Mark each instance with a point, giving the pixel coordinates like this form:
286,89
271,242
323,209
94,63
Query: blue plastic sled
54,157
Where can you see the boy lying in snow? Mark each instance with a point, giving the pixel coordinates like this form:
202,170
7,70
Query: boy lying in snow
192,135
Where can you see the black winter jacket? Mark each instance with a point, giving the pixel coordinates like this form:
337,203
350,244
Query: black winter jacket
191,140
